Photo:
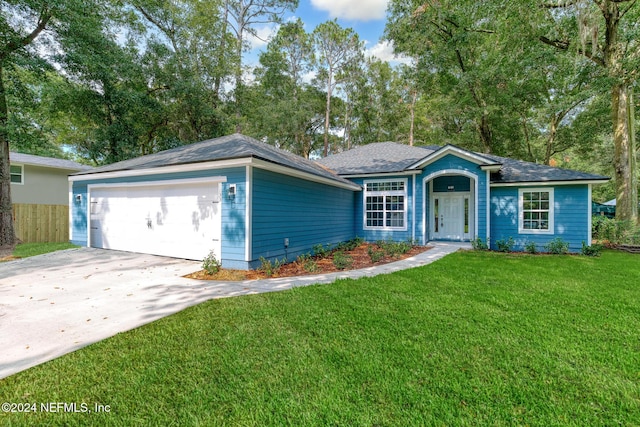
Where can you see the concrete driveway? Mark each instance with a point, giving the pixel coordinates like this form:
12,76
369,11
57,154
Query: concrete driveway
53,304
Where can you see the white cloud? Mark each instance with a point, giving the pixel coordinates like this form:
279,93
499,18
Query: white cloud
262,37
383,50
359,10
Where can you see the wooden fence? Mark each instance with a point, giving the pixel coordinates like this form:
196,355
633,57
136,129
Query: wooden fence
41,223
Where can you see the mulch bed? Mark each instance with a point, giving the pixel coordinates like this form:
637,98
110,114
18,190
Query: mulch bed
360,256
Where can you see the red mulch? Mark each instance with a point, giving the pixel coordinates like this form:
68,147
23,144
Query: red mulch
360,256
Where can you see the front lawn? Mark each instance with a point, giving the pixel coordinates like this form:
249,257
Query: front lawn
477,338
24,250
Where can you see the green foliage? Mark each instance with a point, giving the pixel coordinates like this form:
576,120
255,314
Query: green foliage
557,246
24,250
308,263
375,254
350,244
505,245
614,231
211,264
321,251
342,261
593,250
394,249
531,247
270,268
479,245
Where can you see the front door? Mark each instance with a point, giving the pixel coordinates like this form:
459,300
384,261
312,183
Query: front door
450,216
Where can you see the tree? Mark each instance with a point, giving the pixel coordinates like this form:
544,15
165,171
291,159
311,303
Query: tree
241,16
22,23
607,35
337,49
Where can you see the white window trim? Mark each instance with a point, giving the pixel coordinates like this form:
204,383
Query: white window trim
21,166
404,193
521,228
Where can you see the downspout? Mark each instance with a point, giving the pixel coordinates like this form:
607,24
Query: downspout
413,209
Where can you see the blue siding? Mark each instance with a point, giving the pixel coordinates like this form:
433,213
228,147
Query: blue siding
375,235
456,165
233,210
307,213
571,222
459,183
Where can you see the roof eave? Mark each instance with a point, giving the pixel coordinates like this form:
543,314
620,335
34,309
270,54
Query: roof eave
460,152
549,182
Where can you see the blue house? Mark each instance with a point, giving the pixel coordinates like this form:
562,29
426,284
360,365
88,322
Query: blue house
245,199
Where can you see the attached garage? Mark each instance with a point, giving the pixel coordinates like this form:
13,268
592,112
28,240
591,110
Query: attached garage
179,218
242,198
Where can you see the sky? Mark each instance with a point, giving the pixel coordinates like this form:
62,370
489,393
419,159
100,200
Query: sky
365,17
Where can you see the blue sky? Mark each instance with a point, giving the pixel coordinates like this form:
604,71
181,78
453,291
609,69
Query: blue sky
366,17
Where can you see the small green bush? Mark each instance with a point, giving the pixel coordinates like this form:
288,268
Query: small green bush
531,247
593,250
557,246
308,263
505,245
375,254
393,249
479,245
341,260
211,264
321,251
268,267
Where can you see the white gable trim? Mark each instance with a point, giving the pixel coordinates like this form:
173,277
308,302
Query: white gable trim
458,152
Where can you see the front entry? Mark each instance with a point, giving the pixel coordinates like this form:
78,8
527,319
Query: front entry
450,218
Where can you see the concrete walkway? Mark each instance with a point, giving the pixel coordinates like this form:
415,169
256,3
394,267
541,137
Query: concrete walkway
54,304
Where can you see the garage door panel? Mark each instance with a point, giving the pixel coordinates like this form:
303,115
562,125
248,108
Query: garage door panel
181,220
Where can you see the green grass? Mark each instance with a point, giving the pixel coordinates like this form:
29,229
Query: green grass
25,250
478,338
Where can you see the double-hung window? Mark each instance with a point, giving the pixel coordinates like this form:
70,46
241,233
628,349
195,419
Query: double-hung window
536,210
385,204
17,174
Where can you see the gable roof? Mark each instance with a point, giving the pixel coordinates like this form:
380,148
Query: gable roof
230,147
380,157
389,157
49,162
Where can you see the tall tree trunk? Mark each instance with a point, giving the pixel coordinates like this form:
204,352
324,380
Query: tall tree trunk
624,154
327,115
412,111
7,232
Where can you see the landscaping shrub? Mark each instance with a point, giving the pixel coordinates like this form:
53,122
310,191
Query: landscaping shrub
393,249
593,250
505,245
211,264
531,247
479,245
375,254
268,267
341,260
557,246
321,251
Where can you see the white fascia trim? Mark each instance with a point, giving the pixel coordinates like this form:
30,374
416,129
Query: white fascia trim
413,208
468,174
389,174
284,170
544,183
589,214
464,154
191,167
488,208
70,211
248,222
186,181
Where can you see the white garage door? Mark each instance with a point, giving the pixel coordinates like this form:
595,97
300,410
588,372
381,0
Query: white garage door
173,218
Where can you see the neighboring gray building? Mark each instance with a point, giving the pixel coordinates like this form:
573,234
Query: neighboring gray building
40,196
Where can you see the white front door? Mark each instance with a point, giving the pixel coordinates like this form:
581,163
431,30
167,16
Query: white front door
450,216
181,220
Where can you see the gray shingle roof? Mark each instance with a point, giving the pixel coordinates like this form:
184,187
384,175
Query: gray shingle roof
381,157
228,147
50,162
514,171
385,157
